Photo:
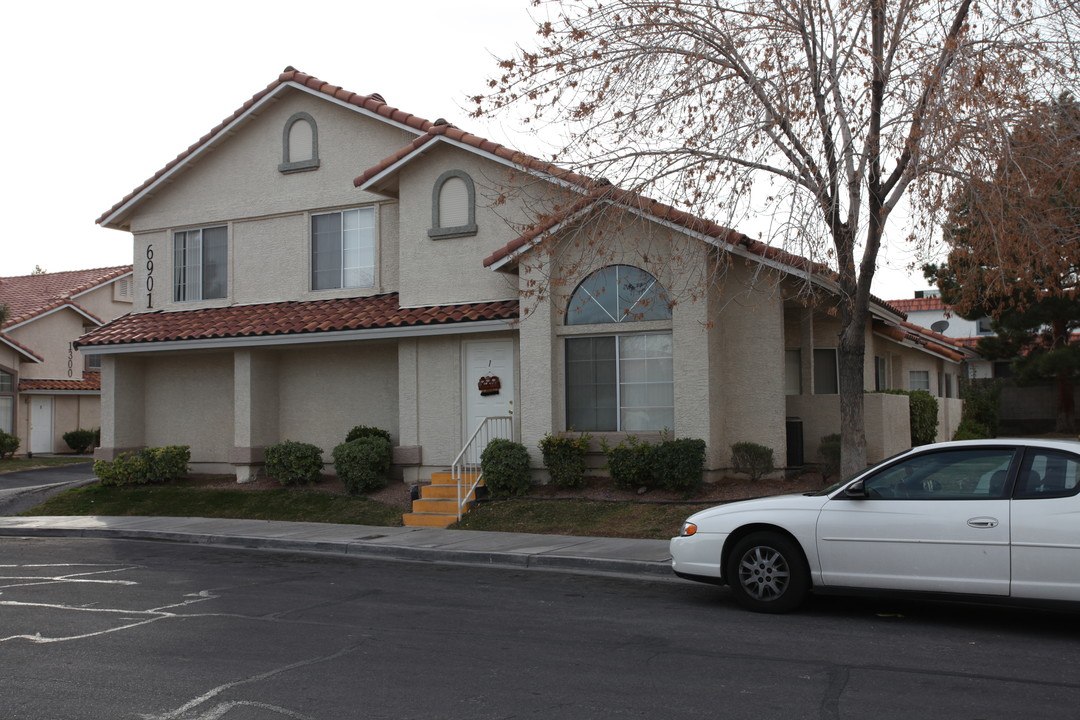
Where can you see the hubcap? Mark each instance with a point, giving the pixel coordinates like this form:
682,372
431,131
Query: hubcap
764,573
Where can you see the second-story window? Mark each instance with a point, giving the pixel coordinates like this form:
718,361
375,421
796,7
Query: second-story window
343,249
200,263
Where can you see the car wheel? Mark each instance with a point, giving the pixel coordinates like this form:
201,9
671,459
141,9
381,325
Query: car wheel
767,573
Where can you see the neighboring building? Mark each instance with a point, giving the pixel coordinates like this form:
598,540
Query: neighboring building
1027,409
47,386
928,310
322,260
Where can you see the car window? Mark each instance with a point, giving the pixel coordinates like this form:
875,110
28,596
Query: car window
948,475
1048,474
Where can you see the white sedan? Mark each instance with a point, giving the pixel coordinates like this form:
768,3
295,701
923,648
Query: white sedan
986,518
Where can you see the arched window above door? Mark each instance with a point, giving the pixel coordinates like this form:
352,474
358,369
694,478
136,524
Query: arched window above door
618,293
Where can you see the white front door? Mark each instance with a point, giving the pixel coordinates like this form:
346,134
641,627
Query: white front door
487,359
41,424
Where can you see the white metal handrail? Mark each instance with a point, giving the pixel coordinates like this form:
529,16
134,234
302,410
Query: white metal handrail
466,466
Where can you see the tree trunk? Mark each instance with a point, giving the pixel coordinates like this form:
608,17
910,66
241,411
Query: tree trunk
850,357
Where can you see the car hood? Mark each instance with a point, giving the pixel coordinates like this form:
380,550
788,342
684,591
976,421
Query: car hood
706,519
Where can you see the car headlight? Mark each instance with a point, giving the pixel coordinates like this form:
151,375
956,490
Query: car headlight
688,529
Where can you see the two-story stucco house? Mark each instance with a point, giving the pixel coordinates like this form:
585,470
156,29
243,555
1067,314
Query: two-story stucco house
47,386
322,260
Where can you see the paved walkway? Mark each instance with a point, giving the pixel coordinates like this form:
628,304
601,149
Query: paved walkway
522,550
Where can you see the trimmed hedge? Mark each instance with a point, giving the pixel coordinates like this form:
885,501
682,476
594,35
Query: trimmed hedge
564,458
753,459
363,464
294,463
363,431
505,466
149,465
82,440
673,465
8,444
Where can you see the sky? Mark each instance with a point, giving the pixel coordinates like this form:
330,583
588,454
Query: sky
103,94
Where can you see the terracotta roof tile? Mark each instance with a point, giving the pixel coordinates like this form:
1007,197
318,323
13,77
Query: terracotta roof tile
90,381
918,304
373,103
289,318
28,296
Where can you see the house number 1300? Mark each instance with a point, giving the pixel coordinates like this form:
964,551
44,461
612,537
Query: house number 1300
150,276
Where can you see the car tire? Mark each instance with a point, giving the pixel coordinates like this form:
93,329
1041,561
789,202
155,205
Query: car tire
767,573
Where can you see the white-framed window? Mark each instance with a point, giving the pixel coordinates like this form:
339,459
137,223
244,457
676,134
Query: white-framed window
299,144
343,249
919,380
93,362
826,372
200,263
793,371
620,382
7,402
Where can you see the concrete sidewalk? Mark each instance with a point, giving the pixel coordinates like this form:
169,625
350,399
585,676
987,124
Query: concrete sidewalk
521,550
557,552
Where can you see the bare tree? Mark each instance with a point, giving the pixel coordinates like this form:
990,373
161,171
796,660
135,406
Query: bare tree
822,115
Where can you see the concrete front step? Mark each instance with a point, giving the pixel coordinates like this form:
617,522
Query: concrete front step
447,478
442,492
432,520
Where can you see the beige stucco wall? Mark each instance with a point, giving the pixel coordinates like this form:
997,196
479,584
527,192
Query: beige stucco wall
268,212
187,400
326,390
49,337
451,270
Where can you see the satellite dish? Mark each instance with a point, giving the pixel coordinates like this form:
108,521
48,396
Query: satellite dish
940,326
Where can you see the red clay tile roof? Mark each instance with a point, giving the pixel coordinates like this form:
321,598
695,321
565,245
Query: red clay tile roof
918,304
952,348
289,318
373,103
594,192
91,381
28,296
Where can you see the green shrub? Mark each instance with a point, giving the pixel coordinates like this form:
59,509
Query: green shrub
922,413
971,430
8,444
753,459
505,465
82,440
564,457
924,417
677,465
149,465
363,431
982,404
363,465
294,463
829,450
128,468
631,463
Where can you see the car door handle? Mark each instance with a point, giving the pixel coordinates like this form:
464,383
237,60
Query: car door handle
983,522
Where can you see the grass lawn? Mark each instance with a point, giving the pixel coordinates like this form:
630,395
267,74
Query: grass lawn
22,463
651,521
176,501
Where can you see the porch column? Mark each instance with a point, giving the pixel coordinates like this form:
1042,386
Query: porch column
806,341
255,410
123,410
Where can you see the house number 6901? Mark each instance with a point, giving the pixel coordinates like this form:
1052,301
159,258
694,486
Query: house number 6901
150,276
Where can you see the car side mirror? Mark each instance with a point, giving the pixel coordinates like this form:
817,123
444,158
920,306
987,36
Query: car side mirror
855,490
